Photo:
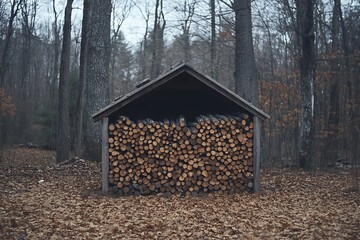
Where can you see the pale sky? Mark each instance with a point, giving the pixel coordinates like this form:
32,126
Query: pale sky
134,24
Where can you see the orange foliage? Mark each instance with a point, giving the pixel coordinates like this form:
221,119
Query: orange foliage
281,99
7,108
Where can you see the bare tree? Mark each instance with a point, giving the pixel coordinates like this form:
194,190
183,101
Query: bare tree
305,22
246,80
119,16
15,7
80,98
63,139
186,10
28,12
158,39
120,60
143,52
57,47
97,71
332,141
213,39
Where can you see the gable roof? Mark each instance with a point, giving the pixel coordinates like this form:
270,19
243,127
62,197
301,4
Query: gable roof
173,72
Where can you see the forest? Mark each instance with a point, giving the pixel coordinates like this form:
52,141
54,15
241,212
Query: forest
294,61
50,78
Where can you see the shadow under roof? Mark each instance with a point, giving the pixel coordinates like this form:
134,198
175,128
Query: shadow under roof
180,91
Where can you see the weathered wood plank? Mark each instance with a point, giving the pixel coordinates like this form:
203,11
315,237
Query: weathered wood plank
256,146
105,155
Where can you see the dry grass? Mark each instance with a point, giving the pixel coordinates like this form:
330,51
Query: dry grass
68,205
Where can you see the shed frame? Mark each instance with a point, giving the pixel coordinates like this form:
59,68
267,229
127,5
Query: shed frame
104,114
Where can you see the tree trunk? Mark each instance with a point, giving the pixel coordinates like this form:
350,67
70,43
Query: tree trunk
63,144
97,72
144,52
82,79
332,138
213,39
188,13
305,22
246,82
53,85
158,40
335,28
56,30
15,6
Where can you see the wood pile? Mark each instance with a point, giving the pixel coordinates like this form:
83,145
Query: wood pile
214,153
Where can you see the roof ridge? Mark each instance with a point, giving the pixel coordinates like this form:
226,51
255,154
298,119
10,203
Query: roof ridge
175,70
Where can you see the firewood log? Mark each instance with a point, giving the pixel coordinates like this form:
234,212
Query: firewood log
212,154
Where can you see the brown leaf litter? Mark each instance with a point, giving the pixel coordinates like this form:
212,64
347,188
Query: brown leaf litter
40,199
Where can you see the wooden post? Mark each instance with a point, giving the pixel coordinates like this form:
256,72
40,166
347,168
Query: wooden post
105,155
257,129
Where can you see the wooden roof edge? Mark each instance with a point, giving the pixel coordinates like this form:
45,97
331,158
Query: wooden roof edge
241,101
107,109
112,107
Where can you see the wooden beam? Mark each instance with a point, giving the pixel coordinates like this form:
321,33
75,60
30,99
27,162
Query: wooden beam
256,146
105,155
187,71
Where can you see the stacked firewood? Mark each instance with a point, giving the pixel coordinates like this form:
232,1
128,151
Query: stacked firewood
214,153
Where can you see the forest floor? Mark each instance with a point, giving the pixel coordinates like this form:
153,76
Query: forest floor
40,199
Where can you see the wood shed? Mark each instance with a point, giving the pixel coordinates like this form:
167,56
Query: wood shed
181,132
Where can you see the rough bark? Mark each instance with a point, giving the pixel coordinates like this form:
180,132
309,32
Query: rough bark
63,139
80,100
305,20
213,39
246,82
97,72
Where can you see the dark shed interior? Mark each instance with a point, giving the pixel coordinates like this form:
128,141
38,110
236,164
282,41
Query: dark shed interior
183,95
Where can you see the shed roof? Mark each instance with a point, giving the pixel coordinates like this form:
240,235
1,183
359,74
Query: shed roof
173,73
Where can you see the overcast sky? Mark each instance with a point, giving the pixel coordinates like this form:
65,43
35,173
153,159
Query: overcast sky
133,26
134,23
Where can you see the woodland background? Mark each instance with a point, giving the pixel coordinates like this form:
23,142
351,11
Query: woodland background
203,34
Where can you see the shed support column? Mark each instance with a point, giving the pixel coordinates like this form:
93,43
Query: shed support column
257,131
105,155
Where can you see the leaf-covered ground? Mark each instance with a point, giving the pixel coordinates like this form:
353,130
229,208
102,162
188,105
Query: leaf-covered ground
42,200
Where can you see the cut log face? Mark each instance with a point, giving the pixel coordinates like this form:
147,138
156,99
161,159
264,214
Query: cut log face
215,153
